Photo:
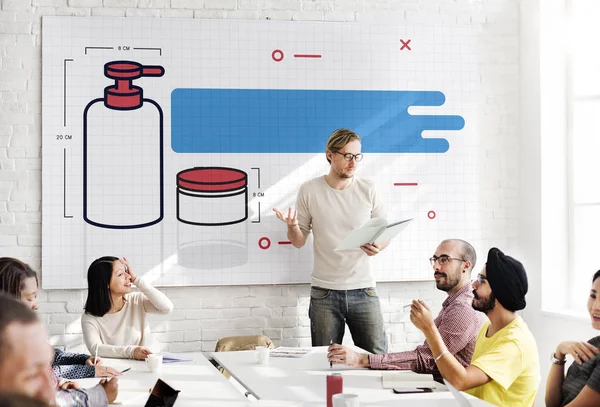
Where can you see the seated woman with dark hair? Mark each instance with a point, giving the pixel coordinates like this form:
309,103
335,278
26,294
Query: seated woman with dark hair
20,281
581,386
115,322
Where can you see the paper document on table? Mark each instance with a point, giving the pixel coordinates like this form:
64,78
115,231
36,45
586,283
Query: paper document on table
375,230
406,379
288,352
170,358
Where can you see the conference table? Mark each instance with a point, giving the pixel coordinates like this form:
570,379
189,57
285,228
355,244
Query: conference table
283,382
199,382
304,379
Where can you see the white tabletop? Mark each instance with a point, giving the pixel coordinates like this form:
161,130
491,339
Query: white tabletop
200,383
303,379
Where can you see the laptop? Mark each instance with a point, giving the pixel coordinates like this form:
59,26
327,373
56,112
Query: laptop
458,396
162,395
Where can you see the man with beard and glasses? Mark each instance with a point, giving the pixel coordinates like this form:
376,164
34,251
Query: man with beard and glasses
26,357
457,322
505,370
343,282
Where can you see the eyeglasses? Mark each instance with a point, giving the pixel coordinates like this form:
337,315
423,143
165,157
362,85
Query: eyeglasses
481,278
443,259
349,157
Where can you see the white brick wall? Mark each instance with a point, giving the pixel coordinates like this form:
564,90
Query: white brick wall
204,314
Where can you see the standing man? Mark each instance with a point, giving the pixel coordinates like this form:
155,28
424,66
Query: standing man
343,283
505,370
458,322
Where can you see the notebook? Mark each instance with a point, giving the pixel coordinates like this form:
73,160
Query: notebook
162,395
170,358
406,379
376,230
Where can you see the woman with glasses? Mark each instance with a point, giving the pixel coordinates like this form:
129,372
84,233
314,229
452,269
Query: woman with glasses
115,322
581,385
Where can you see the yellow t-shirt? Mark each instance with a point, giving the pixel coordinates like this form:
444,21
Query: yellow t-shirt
510,359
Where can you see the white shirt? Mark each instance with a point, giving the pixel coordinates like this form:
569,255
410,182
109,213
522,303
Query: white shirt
117,335
331,214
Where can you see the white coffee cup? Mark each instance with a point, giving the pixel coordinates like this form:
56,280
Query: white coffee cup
262,355
345,400
154,362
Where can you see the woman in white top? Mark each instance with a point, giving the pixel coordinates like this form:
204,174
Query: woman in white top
115,323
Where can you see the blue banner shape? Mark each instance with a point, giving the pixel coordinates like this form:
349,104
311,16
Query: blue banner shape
300,121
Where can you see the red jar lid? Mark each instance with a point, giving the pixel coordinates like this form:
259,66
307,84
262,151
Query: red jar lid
212,179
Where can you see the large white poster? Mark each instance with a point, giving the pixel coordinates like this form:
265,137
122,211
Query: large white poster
170,141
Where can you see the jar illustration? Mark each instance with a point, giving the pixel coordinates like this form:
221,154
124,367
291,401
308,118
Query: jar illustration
123,152
212,196
212,207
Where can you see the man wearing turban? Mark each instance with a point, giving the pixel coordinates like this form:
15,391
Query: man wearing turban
505,369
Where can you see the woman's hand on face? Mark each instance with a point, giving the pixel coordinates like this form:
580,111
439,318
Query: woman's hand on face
128,269
581,351
141,352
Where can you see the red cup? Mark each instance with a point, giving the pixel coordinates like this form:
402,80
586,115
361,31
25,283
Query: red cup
335,385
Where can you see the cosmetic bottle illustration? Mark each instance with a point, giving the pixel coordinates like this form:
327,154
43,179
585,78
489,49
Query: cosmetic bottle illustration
123,152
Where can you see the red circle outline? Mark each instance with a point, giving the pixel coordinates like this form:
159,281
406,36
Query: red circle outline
277,59
431,215
264,239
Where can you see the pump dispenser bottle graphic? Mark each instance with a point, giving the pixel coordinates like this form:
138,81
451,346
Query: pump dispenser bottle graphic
123,152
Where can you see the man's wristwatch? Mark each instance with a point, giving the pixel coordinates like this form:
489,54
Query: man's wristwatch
557,361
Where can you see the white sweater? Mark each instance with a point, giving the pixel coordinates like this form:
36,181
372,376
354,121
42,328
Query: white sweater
117,335
331,214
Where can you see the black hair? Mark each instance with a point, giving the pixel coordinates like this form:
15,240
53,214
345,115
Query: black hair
596,275
98,300
13,311
13,273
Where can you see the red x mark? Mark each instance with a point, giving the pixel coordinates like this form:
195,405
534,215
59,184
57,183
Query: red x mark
405,44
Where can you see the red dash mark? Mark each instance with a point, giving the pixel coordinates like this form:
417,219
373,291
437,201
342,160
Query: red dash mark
431,215
284,242
405,184
264,243
405,45
277,55
307,56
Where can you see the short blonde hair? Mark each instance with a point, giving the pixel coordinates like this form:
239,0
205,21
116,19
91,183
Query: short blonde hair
339,139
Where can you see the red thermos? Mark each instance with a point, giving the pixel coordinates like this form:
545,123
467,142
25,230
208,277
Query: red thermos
335,385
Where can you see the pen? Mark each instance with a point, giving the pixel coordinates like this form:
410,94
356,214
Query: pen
96,356
406,306
126,370
330,363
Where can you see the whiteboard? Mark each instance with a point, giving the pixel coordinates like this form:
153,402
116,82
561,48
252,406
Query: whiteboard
170,141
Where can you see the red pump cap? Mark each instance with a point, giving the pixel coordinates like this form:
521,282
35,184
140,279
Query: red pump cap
123,95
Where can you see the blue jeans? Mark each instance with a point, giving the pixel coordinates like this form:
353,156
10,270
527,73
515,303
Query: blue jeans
329,310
